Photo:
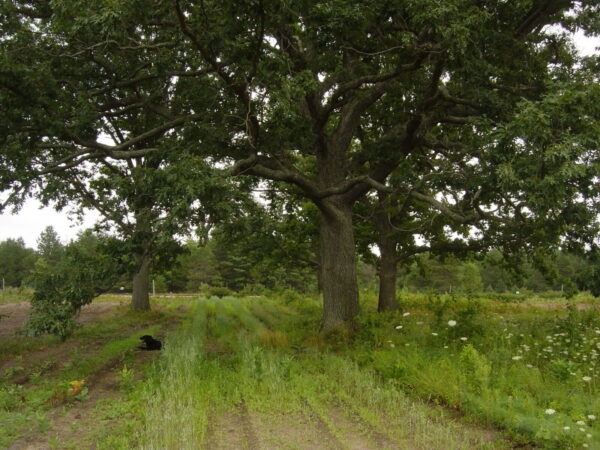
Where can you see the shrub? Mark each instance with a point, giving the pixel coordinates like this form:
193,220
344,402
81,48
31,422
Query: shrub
561,369
475,369
64,285
219,291
438,305
126,378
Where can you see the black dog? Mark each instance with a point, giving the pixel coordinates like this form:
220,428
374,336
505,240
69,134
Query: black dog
151,343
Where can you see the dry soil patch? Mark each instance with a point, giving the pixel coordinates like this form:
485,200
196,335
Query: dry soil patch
15,315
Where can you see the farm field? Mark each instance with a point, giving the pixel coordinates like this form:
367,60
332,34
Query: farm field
444,372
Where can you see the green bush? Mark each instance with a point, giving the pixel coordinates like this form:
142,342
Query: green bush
475,370
219,291
63,285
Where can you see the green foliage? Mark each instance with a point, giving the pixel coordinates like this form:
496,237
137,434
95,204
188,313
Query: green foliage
197,378
12,295
500,278
49,246
108,343
266,246
16,262
531,372
67,282
562,369
126,378
55,318
11,397
219,291
475,369
467,312
439,305
480,115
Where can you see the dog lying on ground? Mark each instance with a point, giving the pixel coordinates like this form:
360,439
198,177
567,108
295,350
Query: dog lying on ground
151,343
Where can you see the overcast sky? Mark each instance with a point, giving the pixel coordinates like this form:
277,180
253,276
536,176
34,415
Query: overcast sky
29,222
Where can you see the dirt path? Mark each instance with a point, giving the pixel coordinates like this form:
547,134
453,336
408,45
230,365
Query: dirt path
336,427
234,429
15,315
357,434
289,430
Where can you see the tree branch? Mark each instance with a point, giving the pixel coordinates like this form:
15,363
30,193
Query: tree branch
539,14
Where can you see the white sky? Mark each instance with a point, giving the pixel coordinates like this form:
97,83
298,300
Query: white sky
29,222
32,219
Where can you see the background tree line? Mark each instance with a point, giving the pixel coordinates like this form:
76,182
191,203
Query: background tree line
258,263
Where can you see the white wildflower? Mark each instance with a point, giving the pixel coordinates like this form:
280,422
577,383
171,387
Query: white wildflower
550,411
452,323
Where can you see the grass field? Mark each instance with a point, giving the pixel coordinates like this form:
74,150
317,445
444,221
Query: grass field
442,373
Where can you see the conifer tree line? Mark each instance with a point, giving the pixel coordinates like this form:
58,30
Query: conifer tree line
422,128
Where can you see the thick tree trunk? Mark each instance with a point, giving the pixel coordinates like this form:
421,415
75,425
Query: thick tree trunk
387,278
338,268
140,300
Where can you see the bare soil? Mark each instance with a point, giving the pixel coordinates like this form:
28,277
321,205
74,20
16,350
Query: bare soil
14,315
48,359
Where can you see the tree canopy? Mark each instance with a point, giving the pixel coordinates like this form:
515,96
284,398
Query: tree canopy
16,262
478,110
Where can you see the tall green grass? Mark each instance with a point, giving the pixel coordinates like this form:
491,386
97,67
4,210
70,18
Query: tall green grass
176,412
532,372
226,356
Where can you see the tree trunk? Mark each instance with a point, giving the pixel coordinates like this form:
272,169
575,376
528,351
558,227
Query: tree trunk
140,300
338,267
387,277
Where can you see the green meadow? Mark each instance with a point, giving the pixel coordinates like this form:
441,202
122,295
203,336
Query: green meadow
254,372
